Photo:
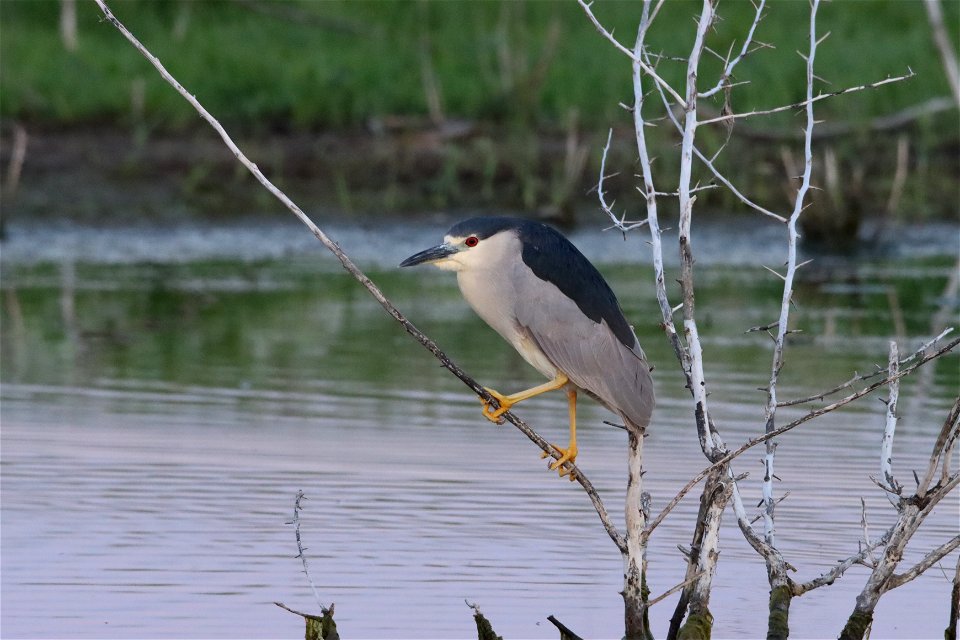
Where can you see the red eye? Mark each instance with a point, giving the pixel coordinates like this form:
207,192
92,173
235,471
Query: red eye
472,241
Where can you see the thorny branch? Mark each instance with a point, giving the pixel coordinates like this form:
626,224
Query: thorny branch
941,449
633,55
810,100
635,604
775,565
708,163
912,513
724,81
815,413
622,224
858,377
375,291
710,445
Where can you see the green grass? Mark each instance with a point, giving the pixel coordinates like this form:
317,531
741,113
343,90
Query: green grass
337,64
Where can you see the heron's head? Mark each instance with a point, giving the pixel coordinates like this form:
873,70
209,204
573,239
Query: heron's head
472,244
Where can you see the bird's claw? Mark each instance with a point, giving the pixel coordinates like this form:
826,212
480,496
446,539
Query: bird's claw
495,415
568,455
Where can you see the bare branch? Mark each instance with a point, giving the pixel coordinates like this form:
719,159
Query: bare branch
716,172
831,576
889,484
770,410
778,501
899,579
375,291
948,434
891,122
947,50
622,225
300,551
630,54
866,531
698,386
744,51
672,590
792,425
653,222
810,100
951,631
862,377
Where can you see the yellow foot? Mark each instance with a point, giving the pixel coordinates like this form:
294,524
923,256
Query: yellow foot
494,415
568,455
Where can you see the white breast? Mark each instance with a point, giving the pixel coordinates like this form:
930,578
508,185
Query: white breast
488,288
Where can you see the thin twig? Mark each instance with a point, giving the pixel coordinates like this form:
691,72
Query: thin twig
829,577
621,224
770,410
948,434
300,550
810,100
792,425
308,616
724,80
866,532
672,590
857,377
713,169
637,59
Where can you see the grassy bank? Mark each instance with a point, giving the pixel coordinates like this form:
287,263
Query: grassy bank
335,64
531,80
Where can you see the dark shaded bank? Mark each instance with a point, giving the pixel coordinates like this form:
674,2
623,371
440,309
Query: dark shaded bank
392,168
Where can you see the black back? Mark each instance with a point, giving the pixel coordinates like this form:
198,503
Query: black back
554,259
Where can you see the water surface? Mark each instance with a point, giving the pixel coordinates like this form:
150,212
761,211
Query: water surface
163,401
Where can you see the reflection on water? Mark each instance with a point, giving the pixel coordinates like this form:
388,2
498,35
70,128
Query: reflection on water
158,419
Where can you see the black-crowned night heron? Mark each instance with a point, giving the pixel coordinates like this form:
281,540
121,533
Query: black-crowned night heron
544,297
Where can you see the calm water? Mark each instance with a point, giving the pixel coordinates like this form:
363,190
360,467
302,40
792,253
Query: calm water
163,402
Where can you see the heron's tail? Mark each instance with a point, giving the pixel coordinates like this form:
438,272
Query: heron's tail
634,427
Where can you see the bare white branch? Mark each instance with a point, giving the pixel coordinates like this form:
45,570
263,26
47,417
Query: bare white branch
810,100
637,60
947,50
770,410
891,488
796,423
713,169
724,80
698,385
620,224
857,377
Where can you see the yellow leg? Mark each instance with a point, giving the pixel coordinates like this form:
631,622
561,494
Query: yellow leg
493,415
570,453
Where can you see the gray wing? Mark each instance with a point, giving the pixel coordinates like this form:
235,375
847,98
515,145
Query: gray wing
589,353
